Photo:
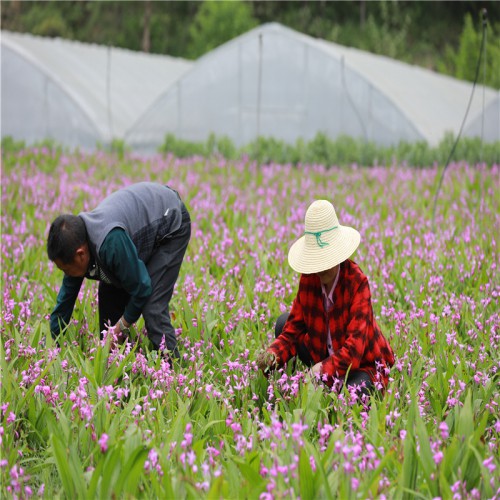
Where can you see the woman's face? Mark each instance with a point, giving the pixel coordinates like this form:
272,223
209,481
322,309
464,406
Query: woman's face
329,275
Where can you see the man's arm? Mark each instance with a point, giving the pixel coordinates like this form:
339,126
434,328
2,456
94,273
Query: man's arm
65,304
119,254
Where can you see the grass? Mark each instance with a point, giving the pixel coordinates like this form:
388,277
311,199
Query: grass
80,421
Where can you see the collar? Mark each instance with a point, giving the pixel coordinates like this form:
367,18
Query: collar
329,296
92,269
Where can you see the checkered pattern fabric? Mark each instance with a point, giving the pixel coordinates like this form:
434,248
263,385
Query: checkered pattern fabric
357,341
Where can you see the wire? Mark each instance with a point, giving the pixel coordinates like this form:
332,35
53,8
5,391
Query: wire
485,23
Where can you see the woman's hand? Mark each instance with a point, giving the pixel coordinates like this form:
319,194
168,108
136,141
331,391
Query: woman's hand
266,360
317,369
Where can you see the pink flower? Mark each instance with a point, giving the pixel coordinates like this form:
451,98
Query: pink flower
297,430
443,429
188,437
488,463
103,443
438,457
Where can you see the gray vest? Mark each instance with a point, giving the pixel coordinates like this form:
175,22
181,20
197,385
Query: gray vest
147,211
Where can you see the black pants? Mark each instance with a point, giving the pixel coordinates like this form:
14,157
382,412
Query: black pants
163,268
356,378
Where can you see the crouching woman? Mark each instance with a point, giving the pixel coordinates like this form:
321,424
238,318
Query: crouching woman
331,327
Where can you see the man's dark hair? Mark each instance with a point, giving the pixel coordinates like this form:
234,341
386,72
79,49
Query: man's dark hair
66,234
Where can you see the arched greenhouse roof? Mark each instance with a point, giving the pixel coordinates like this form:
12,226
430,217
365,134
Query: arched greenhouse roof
75,93
273,81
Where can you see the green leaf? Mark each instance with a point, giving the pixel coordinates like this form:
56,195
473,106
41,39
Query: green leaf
371,485
111,470
132,472
94,480
307,479
166,482
215,492
249,473
465,418
63,466
323,464
425,455
408,481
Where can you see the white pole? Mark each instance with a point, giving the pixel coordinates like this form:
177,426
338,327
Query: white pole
108,94
259,85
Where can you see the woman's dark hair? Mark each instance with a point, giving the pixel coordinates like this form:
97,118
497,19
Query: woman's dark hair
66,234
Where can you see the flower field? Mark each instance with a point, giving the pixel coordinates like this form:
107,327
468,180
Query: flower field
80,421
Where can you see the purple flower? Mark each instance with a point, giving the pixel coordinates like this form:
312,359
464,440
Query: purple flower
438,457
488,463
297,431
103,443
443,429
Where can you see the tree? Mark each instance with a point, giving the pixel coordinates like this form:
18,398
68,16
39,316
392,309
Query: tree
146,27
463,63
216,22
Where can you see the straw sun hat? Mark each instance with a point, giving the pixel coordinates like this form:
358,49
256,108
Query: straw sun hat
325,243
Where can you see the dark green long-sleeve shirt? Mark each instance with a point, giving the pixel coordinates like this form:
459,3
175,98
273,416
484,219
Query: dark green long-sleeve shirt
118,254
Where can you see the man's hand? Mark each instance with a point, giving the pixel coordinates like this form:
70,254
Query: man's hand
266,360
122,327
120,332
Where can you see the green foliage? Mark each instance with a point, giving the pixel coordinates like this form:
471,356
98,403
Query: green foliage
117,146
468,51
387,34
10,145
217,22
214,146
269,150
85,422
182,148
462,62
52,26
342,151
47,20
222,146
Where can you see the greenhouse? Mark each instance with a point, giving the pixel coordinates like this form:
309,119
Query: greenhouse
273,81
77,94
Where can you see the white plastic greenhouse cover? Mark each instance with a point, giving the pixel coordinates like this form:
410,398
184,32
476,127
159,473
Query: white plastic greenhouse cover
273,81
77,94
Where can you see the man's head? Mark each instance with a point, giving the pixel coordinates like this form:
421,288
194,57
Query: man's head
67,245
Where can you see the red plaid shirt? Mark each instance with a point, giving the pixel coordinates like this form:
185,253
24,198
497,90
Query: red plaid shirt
357,341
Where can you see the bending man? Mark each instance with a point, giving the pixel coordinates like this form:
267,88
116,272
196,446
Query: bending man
133,243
